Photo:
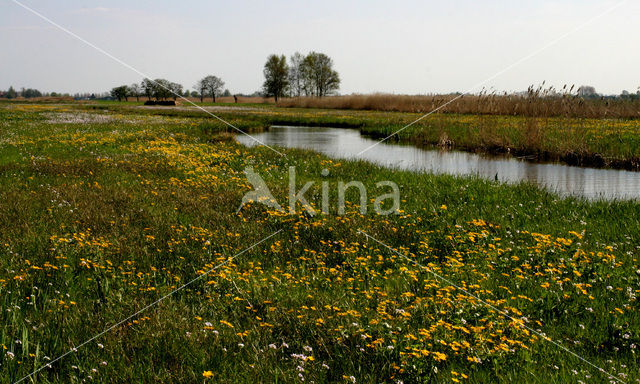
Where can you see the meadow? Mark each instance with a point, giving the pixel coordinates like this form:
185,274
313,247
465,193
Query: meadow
107,208
596,142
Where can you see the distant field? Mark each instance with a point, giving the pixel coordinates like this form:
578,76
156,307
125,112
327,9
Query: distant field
106,208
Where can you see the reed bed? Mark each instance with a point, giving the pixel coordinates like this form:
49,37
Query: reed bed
535,103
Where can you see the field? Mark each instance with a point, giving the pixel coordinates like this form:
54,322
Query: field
583,141
107,208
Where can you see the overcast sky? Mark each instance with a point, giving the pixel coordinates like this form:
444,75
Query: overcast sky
398,46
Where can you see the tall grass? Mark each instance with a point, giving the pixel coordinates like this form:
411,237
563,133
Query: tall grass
102,217
536,103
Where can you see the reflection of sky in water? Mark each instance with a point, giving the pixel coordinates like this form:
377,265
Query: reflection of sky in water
564,179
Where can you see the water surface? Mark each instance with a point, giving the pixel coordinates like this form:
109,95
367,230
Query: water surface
340,143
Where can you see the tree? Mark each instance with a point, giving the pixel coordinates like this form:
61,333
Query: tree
296,74
164,89
134,90
147,87
587,91
175,89
201,88
30,92
213,86
276,73
11,93
120,92
319,77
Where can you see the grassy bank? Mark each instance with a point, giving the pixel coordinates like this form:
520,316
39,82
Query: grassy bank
106,210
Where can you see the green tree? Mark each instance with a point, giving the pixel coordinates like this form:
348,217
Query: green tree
162,89
276,76
175,89
30,92
134,90
11,93
319,77
121,92
147,86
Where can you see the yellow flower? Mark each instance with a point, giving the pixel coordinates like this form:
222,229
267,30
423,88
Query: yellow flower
439,356
207,374
443,207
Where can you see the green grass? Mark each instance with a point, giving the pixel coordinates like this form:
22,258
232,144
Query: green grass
578,141
105,215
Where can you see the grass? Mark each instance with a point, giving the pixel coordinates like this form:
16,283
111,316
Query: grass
105,210
594,142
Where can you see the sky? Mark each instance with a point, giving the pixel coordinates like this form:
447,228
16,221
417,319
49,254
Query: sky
402,47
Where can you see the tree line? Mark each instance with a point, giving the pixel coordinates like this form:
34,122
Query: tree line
303,75
162,89
27,93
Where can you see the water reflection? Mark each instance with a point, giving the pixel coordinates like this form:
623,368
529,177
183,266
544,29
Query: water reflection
347,143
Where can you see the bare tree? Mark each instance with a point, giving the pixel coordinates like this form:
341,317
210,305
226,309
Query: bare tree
201,88
276,72
296,80
211,86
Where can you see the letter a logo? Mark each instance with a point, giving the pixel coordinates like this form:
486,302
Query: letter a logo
261,193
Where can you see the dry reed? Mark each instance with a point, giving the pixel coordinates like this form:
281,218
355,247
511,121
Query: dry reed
535,103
